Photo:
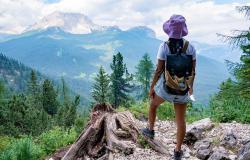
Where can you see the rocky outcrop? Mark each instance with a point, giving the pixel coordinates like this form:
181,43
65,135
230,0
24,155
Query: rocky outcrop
207,141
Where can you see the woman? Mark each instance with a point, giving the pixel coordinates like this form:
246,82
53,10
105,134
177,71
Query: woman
176,29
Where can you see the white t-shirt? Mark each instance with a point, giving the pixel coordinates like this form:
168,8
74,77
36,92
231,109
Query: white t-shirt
163,51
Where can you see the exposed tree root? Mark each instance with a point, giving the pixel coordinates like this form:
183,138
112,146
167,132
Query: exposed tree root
108,132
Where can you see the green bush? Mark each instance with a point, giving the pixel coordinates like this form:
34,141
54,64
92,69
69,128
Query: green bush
4,142
228,110
197,112
56,138
22,149
81,122
166,111
140,110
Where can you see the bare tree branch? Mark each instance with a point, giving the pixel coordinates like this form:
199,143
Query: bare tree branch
245,10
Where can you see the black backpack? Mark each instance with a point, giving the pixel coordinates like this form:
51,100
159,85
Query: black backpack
178,70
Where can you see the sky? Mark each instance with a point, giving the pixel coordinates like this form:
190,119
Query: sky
204,18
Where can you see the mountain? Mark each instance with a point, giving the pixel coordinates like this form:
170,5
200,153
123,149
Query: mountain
75,23
15,74
5,36
218,52
16,77
77,57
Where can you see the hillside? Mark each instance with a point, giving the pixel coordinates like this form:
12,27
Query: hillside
15,74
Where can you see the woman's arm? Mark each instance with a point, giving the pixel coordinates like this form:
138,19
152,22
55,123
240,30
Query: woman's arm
193,73
158,71
191,81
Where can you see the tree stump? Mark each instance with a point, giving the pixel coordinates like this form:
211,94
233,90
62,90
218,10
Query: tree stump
106,133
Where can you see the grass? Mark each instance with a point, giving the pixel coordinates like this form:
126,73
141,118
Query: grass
166,111
142,141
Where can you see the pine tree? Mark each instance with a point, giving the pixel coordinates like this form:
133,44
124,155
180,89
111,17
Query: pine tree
101,86
22,118
233,100
33,87
49,98
67,112
2,90
144,73
120,78
34,94
241,70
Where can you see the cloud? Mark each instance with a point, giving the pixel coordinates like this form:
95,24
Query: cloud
80,76
109,49
204,18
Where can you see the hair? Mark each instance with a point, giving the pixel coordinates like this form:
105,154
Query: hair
175,45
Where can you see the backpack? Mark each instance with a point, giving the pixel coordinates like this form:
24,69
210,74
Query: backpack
178,71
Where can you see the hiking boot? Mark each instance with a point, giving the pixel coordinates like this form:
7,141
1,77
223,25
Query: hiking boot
147,132
178,154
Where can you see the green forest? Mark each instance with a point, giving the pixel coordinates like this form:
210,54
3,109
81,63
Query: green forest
39,116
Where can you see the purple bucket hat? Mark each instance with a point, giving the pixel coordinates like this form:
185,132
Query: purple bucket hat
176,27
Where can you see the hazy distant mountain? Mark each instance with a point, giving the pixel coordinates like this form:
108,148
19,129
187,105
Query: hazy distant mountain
54,50
218,52
75,23
5,36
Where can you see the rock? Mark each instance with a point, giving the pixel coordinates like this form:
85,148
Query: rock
244,152
229,140
195,130
219,153
203,149
232,157
193,135
204,124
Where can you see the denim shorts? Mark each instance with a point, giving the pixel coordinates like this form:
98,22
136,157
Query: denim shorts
160,90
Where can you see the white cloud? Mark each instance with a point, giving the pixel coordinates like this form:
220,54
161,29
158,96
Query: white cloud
80,76
109,49
204,18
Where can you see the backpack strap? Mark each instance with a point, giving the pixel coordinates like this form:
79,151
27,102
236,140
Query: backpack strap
184,49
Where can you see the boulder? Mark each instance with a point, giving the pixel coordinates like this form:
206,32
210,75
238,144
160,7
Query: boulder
203,149
195,130
219,153
229,139
244,152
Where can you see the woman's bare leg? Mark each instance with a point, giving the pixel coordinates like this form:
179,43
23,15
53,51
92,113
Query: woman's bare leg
154,103
180,112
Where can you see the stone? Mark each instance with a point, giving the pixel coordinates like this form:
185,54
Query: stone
233,157
203,149
204,124
219,153
244,152
229,140
193,135
195,130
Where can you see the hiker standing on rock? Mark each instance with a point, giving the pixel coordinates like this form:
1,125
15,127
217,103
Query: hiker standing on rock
173,78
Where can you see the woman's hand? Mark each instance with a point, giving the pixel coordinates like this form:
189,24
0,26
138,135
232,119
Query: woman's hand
190,91
151,93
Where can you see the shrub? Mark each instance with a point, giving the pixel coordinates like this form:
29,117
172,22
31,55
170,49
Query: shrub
140,110
4,142
227,110
197,112
56,138
22,149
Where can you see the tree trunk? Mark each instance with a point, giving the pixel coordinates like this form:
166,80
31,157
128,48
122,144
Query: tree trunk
107,132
